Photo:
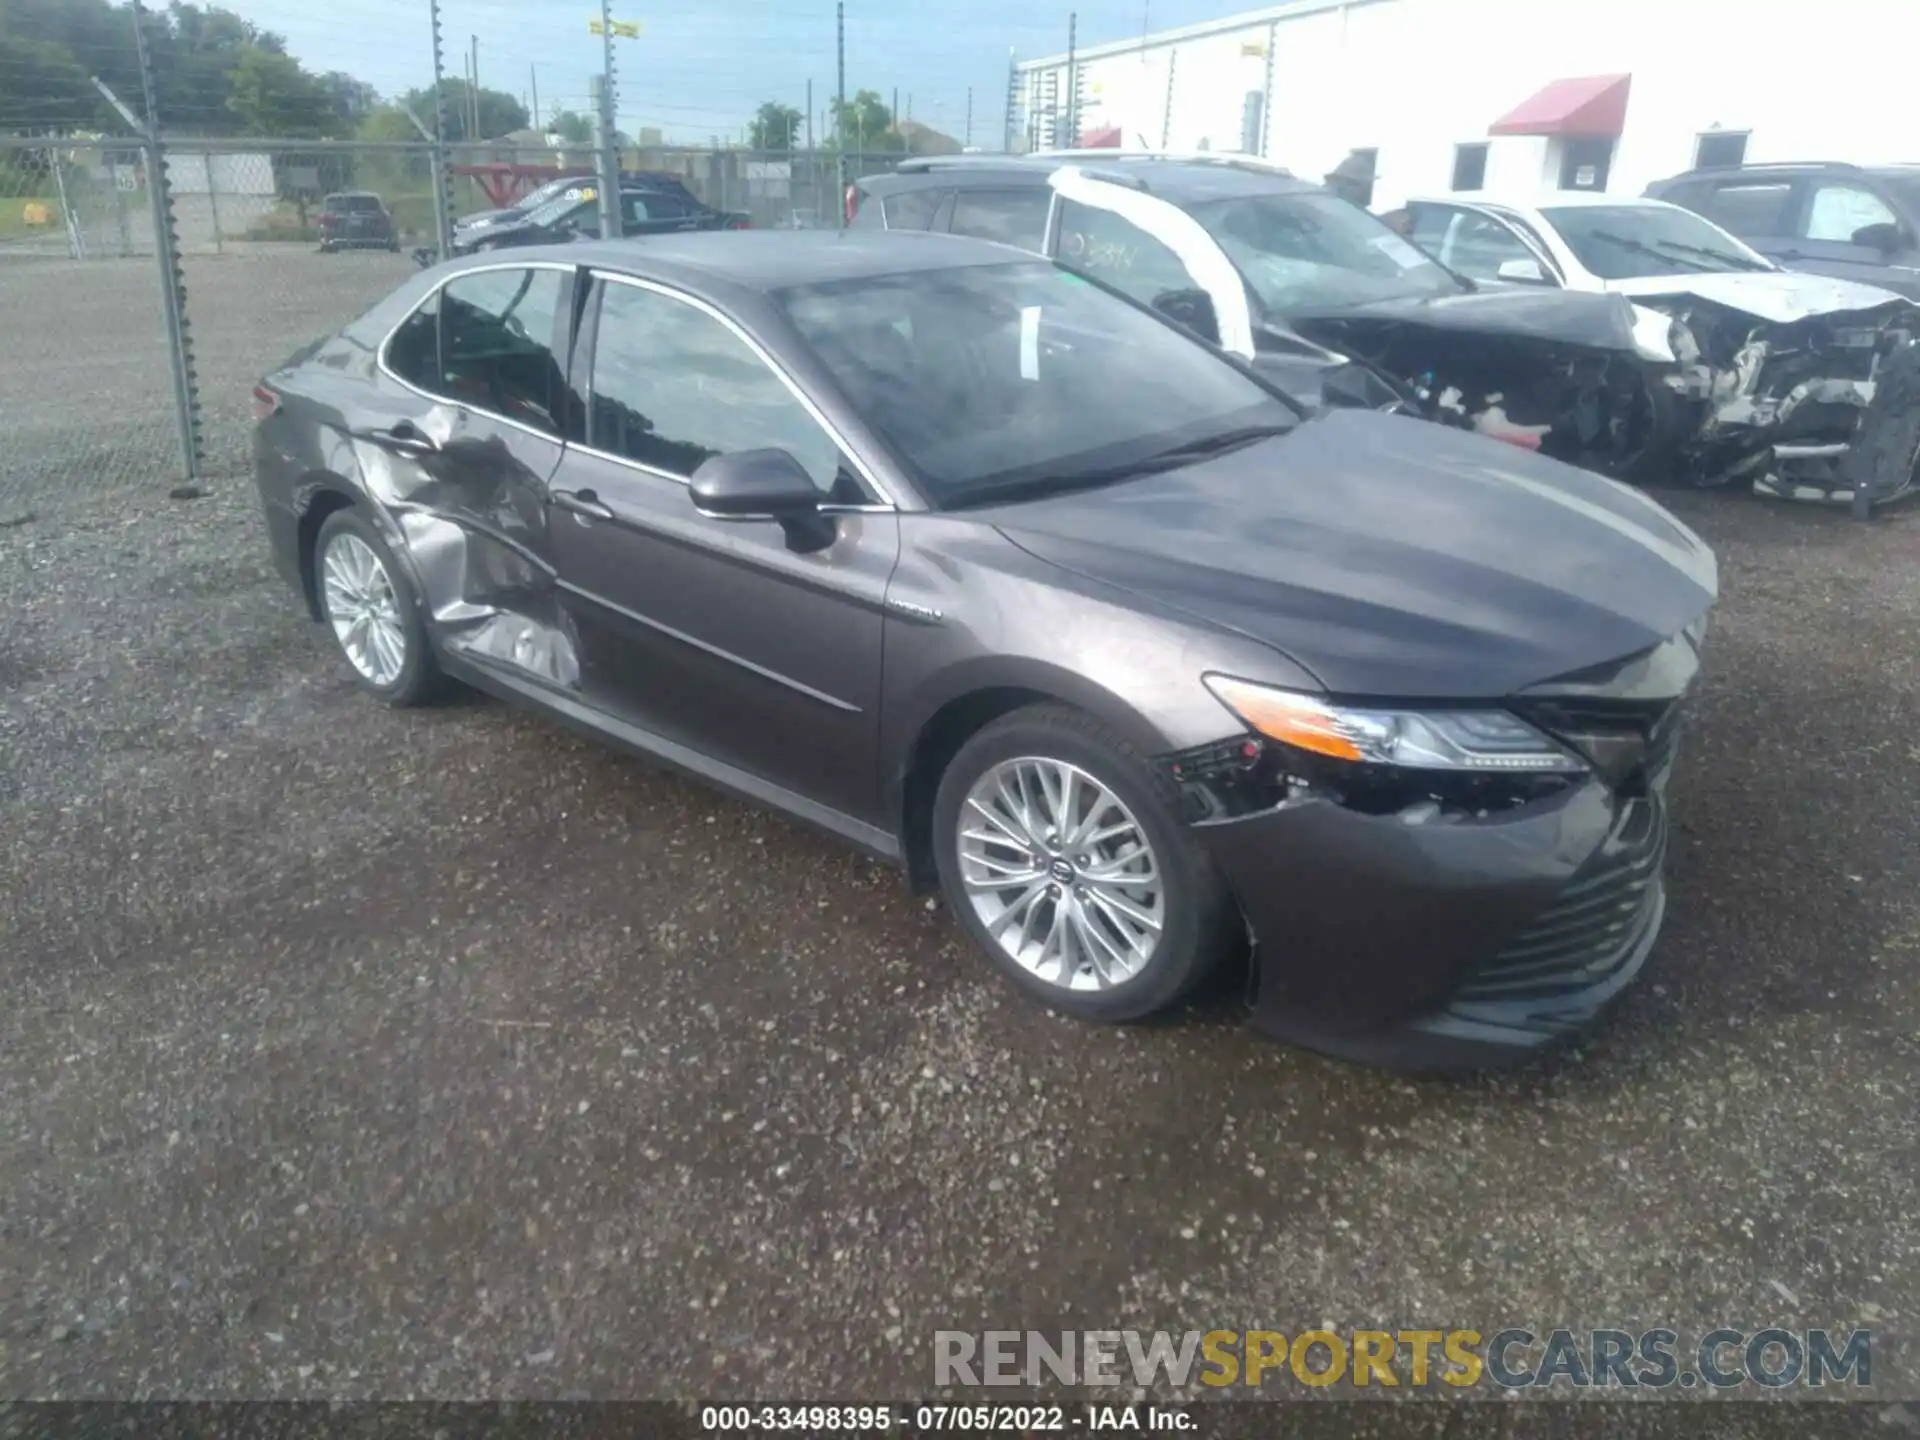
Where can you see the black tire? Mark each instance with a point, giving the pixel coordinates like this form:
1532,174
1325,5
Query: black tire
419,679
1883,461
1201,920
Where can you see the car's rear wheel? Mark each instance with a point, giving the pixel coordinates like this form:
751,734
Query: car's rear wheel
1062,853
371,610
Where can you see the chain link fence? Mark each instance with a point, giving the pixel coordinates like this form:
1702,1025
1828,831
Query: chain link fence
85,381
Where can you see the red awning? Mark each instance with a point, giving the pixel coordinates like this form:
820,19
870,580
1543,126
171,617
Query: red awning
1591,105
1107,139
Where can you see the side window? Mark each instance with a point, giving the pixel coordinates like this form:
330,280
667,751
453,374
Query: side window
1839,210
1012,217
1119,252
1427,227
414,351
1477,247
913,209
496,344
1753,210
672,387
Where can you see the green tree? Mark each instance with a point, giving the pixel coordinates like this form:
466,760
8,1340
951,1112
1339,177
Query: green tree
867,124
500,113
272,95
572,127
775,127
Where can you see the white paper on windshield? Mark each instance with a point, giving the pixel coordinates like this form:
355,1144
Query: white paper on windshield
1403,253
1029,342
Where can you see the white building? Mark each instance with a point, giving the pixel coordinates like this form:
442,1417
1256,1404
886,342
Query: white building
1501,95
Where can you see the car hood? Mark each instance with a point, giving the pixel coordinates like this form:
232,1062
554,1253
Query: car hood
1391,557
1563,316
483,218
1780,296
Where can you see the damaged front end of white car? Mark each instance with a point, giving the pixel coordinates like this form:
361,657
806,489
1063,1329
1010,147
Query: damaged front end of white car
1804,401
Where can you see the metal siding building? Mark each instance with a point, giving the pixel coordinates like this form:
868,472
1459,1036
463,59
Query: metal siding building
1416,80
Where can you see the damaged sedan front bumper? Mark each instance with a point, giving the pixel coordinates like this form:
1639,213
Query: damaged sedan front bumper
1821,407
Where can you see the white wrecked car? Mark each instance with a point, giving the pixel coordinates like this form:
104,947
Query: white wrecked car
1808,385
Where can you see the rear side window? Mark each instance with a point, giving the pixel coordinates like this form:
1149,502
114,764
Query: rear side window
414,351
1012,217
496,344
1750,209
912,209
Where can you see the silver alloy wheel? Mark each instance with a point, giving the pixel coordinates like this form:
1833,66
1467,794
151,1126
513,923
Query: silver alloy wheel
1061,873
363,609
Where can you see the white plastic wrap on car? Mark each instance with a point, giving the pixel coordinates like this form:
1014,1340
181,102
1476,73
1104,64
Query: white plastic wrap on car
1184,236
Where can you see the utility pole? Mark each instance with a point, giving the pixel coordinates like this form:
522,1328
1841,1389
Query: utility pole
968,142
1073,84
610,228
896,107
840,113
539,121
809,113
173,282
474,89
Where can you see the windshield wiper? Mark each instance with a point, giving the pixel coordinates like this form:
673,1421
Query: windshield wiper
1738,262
1170,459
1627,242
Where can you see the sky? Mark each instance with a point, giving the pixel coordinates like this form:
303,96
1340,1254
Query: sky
702,67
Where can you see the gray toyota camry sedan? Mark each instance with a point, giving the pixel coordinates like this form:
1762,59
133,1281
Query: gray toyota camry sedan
990,570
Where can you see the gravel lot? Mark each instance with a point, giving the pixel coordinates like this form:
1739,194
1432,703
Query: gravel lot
346,1052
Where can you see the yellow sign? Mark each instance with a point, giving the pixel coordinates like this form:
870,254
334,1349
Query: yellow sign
35,213
625,29
1254,47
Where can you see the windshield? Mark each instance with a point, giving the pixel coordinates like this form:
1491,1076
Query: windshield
1310,252
1628,242
1001,382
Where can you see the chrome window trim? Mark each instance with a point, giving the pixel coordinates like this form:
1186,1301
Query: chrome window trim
863,471
380,356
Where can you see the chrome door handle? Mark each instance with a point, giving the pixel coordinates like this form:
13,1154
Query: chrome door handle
406,438
582,502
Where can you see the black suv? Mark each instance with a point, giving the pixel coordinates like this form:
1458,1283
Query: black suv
1315,292
1849,221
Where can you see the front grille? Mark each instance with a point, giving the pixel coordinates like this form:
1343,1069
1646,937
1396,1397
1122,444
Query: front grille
1596,926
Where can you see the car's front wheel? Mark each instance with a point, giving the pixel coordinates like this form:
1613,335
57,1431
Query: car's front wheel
1062,852
370,608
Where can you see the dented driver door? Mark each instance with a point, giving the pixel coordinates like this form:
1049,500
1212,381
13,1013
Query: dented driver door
476,433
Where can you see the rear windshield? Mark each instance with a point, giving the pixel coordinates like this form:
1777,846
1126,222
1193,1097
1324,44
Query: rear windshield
356,204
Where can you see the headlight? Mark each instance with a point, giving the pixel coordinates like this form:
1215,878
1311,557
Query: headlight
1458,740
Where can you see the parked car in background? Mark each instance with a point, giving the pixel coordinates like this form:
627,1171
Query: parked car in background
1853,222
356,220
532,200
1809,385
1006,578
573,185
575,215
1316,292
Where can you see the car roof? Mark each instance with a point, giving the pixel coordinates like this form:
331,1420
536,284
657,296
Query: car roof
1181,181
1552,200
773,259
1796,167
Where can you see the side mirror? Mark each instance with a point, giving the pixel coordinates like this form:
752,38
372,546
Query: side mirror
1884,237
763,485
1522,272
1193,309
